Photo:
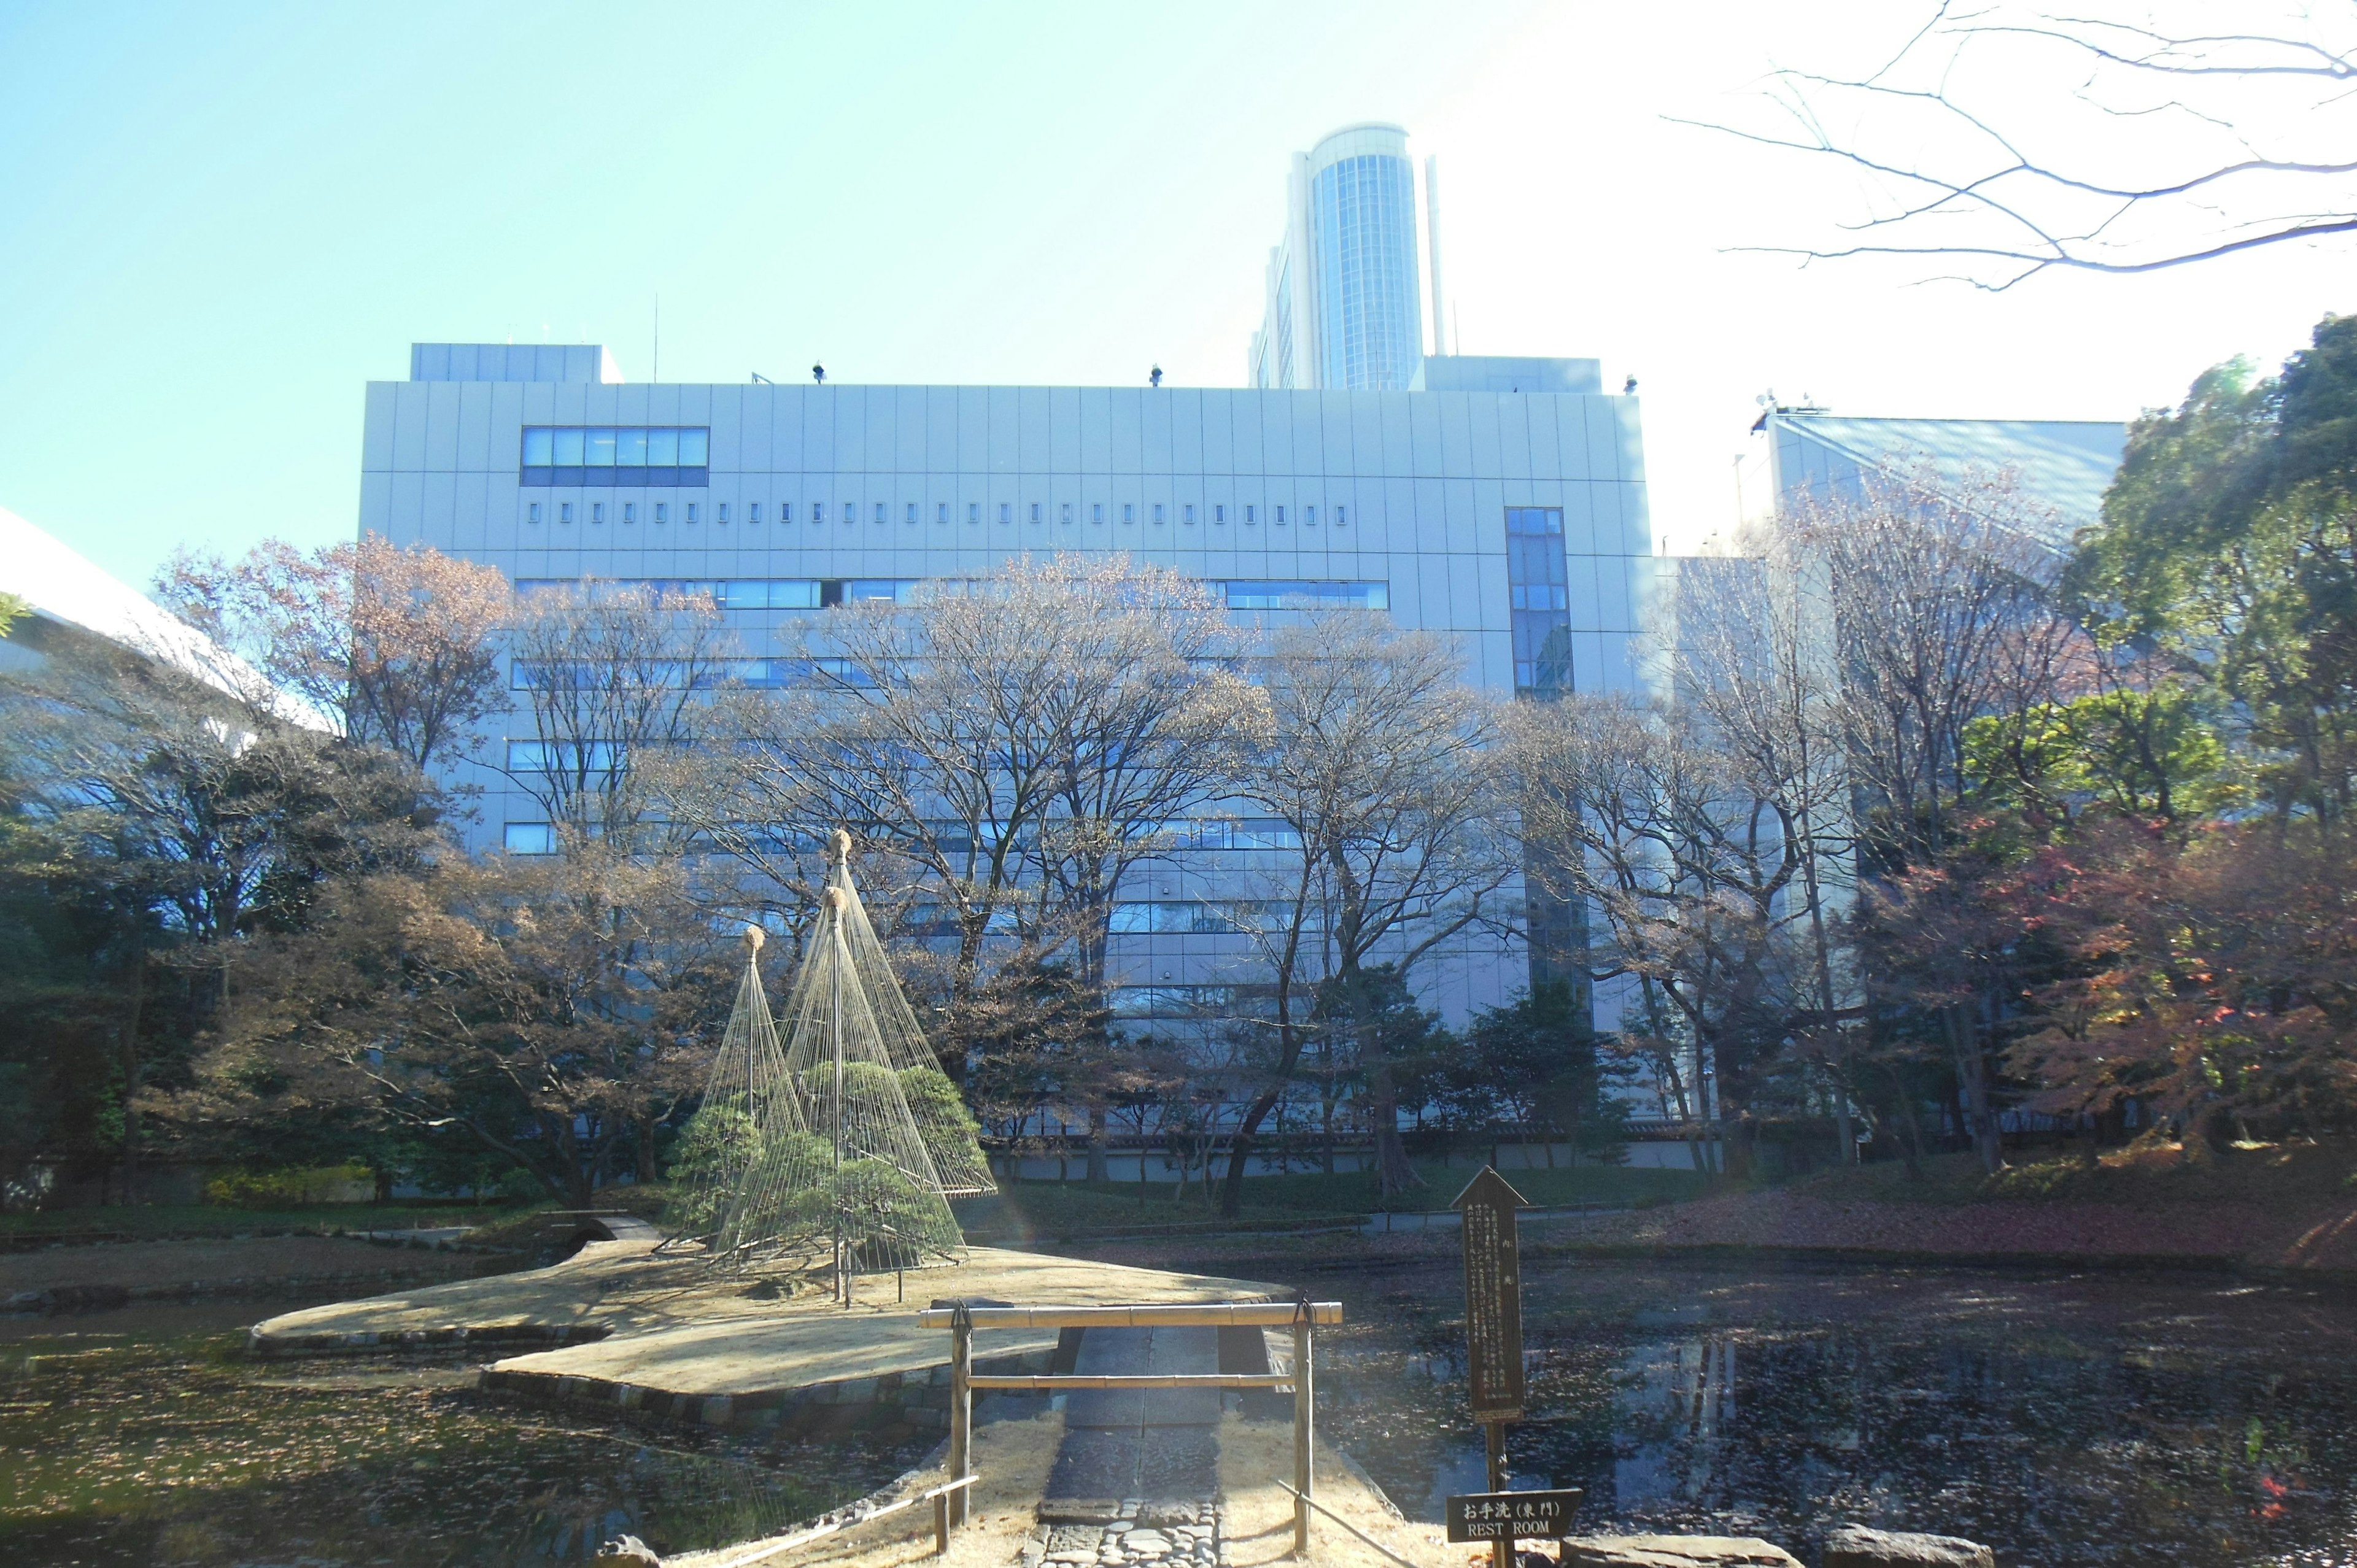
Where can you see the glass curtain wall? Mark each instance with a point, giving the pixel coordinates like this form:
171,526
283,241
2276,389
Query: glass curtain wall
1362,224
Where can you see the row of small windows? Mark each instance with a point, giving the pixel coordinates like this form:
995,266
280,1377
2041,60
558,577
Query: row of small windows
847,513
821,592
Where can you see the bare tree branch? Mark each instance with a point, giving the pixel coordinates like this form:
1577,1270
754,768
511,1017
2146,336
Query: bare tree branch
1982,195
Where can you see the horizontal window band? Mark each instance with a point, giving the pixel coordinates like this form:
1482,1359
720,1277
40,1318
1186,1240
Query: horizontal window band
618,478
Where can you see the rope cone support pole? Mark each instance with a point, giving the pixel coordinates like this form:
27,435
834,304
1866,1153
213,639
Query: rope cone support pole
1305,1415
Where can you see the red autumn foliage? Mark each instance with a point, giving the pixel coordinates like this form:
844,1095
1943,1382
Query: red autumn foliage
2213,977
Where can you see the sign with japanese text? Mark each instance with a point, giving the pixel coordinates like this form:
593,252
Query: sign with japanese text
1493,1297
1509,1516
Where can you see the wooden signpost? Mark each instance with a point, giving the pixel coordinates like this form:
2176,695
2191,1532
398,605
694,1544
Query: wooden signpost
1494,1352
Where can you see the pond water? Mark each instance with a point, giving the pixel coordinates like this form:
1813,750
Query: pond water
144,1436
2065,1419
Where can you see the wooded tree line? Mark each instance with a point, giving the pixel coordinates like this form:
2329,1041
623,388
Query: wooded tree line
1927,808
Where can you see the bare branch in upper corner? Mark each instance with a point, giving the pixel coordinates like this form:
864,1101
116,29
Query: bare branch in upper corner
2016,141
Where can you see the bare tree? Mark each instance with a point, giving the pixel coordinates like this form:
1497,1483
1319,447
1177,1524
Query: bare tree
398,646
1644,813
2016,140
619,680
1374,762
1935,595
1016,746
1756,665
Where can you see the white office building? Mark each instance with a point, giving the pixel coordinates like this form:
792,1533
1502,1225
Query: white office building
1509,512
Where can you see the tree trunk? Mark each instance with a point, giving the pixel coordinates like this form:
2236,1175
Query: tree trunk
129,1050
1240,1149
1097,1168
1972,1075
1839,1067
1393,1173
649,1171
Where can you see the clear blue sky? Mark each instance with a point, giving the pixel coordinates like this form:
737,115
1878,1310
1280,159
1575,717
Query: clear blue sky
218,221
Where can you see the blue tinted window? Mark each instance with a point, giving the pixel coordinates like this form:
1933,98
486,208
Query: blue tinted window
568,443
1538,592
630,448
1307,595
662,448
694,447
530,838
538,446
600,449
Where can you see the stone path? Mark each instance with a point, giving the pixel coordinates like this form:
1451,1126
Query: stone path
1138,1479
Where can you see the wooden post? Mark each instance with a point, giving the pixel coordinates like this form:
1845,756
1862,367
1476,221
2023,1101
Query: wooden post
941,1524
1305,1415
961,1411
1502,1551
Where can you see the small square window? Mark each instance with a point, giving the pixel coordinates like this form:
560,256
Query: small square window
1129,511
1310,517
879,512
1251,514
1157,511
1007,512
1034,512
534,516
629,511
1341,517
1220,513
1188,515
1280,517
691,511
973,513
913,512
785,511
529,838
1096,513
1066,515
752,511
720,514
663,512
564,511
596,512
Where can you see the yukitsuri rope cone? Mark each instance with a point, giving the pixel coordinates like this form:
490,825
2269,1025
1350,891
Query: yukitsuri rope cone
851,1164
748,1087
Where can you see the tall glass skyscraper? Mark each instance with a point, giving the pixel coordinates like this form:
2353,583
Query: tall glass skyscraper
1344,294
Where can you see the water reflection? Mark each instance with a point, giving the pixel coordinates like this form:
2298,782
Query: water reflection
2066,1422
125,1442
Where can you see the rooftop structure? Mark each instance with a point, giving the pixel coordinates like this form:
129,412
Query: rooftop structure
2060,468
72,597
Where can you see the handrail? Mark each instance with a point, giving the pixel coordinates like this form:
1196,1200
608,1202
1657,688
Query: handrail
834,1527
1354,1529
1050,1384
1172,1314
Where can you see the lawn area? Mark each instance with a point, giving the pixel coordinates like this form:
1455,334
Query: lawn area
1036,1208
161,1221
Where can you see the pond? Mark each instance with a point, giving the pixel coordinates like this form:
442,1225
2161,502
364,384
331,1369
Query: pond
144,1436
2066,1419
